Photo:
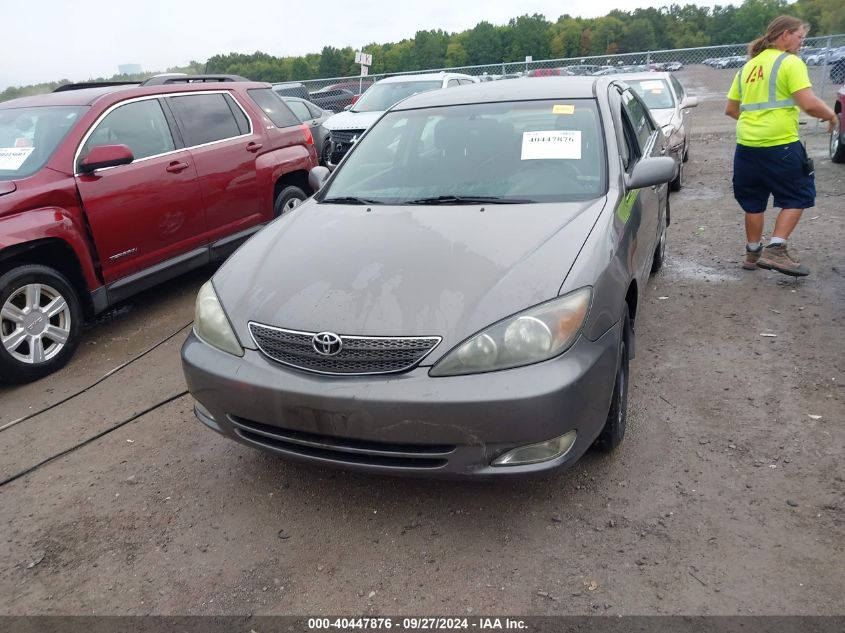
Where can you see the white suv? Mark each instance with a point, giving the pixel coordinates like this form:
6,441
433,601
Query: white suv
346,127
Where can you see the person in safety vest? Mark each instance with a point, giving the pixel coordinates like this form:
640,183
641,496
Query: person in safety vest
765,97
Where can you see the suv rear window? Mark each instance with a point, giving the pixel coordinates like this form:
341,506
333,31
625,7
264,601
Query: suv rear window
29,136
276,109
204,118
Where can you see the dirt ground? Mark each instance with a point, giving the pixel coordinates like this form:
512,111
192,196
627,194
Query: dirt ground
727,496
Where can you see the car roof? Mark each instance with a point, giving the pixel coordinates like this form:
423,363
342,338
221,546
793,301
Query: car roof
89,96
424,77
528,89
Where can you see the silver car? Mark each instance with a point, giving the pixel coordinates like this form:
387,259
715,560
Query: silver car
460,296
669,104
313,116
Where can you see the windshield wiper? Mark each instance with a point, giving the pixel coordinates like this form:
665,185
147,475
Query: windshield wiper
348,200
468,200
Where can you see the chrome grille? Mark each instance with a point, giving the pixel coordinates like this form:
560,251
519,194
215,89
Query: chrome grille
345,136
359,354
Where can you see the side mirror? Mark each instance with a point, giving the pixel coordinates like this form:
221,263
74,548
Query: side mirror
651,171
102,156
317,177
689,102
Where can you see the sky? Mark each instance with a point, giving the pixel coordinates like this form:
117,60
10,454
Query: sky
48,40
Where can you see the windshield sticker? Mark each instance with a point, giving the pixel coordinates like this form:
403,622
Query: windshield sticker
11,158
655,86
563,109
556,144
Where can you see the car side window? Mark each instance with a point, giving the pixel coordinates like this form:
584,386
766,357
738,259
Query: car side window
315,112
274,107
452,83
140,125
240,118
204,118
464,82
300,110
637,117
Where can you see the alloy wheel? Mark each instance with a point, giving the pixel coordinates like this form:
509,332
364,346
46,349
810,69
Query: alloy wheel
35,323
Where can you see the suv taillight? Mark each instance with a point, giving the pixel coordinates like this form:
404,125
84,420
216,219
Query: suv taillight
309,139
355,98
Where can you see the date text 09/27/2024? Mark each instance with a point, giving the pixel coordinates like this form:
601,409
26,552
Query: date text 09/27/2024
415,623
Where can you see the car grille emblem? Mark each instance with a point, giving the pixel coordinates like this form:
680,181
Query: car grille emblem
327,343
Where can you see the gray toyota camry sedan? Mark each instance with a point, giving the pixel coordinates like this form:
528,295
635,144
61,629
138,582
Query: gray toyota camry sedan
460,296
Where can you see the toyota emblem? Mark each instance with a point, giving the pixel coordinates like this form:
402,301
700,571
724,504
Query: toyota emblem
327,344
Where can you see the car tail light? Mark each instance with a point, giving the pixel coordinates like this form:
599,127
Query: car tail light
355,98
309,139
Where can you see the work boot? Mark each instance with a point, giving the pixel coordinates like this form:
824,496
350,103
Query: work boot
751,257
776,257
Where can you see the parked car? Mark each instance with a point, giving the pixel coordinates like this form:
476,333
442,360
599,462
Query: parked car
466,288
669,104
347,127
548,72
107,191
734,61
673,66
314,117
357,88
334,99
583,69
291,89
836,62
837,137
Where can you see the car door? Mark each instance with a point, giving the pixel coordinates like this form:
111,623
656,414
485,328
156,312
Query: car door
224,145
146,212
643,141
304,114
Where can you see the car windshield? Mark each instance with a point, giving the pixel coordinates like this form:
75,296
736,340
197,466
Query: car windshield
29,136
379,97
655,93
506,152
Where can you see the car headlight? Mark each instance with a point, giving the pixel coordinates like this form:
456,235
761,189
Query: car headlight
211,323
537,334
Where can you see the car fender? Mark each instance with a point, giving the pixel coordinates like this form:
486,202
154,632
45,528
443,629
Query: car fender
275,164
19,231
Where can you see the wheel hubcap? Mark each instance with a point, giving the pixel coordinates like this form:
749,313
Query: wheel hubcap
291,204
834,139
35,323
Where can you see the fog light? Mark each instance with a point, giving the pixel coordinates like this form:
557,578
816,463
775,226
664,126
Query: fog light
535,453
200,410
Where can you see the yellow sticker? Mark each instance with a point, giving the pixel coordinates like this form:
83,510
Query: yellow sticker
563,109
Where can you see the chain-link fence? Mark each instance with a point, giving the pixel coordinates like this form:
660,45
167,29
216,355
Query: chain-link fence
825,58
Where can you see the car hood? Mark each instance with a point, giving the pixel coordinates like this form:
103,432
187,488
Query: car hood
446,271
352,120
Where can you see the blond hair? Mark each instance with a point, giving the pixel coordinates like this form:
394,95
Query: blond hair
776,28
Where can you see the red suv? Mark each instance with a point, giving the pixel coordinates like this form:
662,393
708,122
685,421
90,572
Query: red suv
108,190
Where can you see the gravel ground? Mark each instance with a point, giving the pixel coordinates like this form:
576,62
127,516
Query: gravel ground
727,496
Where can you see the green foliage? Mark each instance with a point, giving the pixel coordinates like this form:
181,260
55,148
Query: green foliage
620,31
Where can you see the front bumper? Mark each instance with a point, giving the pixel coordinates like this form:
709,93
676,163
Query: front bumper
410,423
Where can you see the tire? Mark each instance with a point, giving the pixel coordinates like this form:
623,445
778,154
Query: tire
678,183
686,153
837,142
34,344
660,248
288,199
617,417
326,153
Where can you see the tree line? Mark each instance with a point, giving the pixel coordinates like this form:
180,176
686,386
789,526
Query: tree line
619,31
